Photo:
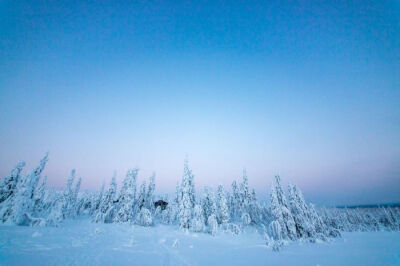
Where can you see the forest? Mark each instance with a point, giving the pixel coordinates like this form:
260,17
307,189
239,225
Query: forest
285,217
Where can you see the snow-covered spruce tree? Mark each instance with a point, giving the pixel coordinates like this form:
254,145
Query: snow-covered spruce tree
67,205
8,185
170,214
246,219
197,223
70,196
212,224
281,212
276,232
56,215
244,194
96,200
192,191
254,208
269,241
127,198
318,224
105,213
223,212
38,197
141,200
8,191
277,216
209,204
178,194
144,217
149,198
83,204
23,203
75,196
301,214
186,203
165,215
235,201
157,216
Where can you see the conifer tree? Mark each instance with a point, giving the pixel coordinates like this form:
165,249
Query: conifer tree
197,223
149,200
235,201
141,200
23,202
8,191
38,196
212,224
209,203
127,198
8,185
105,212
223,212
187,201
97,199
244,193
280,209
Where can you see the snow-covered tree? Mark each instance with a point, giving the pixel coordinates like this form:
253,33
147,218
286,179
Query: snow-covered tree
235,201
83,204
189,174
318,223
281,212
76,190
244,193
97,199
70,196
254,207
246,220
187,201
105,213
197,223
8,185
301,213
223,212
38,196
276,232
127,198
23,203
144,217
212,224
209,203
141,200
56,212
149,198
178,193
8,191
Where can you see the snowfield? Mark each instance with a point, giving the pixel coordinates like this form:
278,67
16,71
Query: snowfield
81,242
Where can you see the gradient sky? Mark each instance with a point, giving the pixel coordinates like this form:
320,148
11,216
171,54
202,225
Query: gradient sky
309,90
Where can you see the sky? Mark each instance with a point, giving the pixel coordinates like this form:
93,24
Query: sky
309,90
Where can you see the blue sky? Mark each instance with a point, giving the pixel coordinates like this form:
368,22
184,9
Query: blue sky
309,90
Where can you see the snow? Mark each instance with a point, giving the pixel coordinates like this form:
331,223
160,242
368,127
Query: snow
82,242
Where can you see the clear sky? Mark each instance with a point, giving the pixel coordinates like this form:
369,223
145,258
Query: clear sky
308,89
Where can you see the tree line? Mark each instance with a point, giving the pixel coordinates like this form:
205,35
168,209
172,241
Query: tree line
286,217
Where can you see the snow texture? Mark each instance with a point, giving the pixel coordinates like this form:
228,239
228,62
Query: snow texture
81,242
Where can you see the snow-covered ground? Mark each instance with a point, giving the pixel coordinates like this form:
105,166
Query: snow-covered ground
85,243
